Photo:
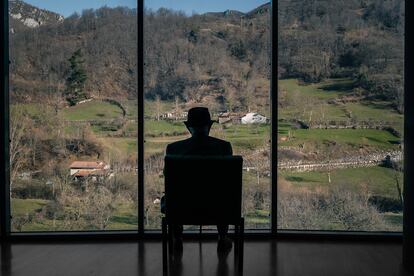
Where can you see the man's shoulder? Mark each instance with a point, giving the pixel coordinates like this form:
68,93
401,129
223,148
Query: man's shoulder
210,145
177,145
180,142
221,146
217,140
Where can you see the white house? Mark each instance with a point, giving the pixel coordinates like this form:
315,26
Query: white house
253,118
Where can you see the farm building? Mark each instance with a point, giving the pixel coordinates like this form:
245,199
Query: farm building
89,169
229,117
174,115
253,118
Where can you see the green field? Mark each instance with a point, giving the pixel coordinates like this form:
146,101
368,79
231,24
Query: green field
124,217
155,128
245,139
314,102
378,180
21,207
94,110
380,139
376,111
240,136
325,90
120,146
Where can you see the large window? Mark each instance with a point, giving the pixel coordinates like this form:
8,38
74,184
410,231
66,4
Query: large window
76,132
213,55
73,118
340,109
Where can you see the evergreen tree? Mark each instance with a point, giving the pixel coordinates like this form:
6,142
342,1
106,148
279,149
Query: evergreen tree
75,83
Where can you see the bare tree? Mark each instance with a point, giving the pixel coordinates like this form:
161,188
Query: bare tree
158,106
19,126
177,107
100,207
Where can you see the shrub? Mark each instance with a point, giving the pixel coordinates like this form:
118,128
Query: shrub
336,209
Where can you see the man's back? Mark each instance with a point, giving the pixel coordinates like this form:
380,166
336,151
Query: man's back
205,145
199,124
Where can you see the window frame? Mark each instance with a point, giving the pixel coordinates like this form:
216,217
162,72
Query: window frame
5,215
4,144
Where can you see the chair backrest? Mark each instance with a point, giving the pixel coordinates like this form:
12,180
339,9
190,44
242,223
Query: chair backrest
203,190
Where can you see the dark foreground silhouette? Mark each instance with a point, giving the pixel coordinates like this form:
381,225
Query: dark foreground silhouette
200,144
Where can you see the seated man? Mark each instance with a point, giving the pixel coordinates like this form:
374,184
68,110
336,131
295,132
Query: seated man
200,143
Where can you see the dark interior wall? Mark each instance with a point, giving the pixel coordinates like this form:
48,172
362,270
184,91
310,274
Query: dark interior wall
409,131
408,251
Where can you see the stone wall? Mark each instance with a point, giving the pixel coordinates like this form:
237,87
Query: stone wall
347,162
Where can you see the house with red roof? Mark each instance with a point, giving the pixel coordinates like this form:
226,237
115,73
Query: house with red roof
89,169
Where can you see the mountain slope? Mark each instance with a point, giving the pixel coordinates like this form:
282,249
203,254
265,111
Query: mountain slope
361,40
263,9
31,16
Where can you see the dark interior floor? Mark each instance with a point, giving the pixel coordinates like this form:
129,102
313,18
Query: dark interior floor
293,258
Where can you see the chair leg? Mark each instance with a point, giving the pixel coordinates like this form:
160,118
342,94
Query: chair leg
241,246
236,238
164,248
236,245
170,239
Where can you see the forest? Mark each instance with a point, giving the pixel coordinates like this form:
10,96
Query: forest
360,39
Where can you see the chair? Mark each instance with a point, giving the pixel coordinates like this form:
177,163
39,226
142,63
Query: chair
203,190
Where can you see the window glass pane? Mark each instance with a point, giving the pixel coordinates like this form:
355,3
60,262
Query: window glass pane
73,123
340,108
214,54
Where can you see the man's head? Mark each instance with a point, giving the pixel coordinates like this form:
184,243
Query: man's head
199,121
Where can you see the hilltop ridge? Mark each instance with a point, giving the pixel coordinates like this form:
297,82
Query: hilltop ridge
31,16
262,9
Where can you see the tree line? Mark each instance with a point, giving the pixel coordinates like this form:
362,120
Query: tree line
318,39
358,39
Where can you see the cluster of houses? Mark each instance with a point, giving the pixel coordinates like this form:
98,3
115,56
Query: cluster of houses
241,118
223,117
174,115
99,170
90,170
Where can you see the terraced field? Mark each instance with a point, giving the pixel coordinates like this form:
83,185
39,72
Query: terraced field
339,101
320,102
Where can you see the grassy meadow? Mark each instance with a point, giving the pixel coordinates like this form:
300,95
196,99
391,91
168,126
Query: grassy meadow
318,99
245,139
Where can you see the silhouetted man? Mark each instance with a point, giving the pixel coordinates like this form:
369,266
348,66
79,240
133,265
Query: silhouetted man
199,124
